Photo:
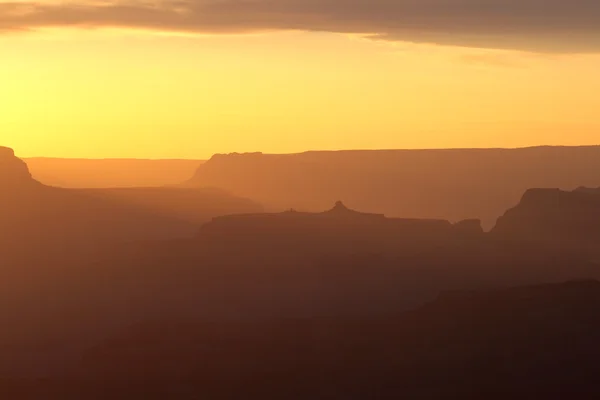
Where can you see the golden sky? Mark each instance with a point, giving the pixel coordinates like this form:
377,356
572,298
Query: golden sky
107,92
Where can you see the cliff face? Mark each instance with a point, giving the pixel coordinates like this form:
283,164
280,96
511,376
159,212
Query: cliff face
436,184
556,217
35,214
13,171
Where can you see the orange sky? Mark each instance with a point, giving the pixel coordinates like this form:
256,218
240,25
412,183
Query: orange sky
116,93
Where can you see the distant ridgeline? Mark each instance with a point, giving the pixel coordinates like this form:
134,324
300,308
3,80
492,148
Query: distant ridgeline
569,220
110,173
338,225
555,218
32,213
434,184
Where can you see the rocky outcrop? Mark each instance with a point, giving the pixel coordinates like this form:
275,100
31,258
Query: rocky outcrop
35,214
554,217
13,171
339,226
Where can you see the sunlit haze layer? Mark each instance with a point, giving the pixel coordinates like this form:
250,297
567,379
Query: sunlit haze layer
153,94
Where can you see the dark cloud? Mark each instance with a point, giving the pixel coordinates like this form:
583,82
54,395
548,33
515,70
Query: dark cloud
536,25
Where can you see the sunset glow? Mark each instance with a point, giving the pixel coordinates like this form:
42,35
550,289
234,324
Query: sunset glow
162,94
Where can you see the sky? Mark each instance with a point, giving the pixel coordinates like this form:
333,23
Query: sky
190,78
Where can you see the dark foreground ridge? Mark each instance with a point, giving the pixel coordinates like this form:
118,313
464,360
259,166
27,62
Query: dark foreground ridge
522,343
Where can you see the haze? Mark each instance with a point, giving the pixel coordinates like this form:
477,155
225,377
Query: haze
299,199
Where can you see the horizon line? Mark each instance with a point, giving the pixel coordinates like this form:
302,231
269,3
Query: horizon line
300,152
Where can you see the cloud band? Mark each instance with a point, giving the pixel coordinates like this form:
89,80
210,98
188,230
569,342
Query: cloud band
534,25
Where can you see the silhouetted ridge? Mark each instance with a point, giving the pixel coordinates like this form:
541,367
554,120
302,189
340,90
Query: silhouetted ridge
588,190
453,184
341,211
13,171
32,214
338,226
555,217
339,206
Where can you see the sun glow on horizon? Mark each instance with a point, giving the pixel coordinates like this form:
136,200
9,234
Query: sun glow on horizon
118,93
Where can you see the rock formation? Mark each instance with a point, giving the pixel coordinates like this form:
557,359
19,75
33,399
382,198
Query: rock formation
339,226
554,217
32,213
13,171
437,184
